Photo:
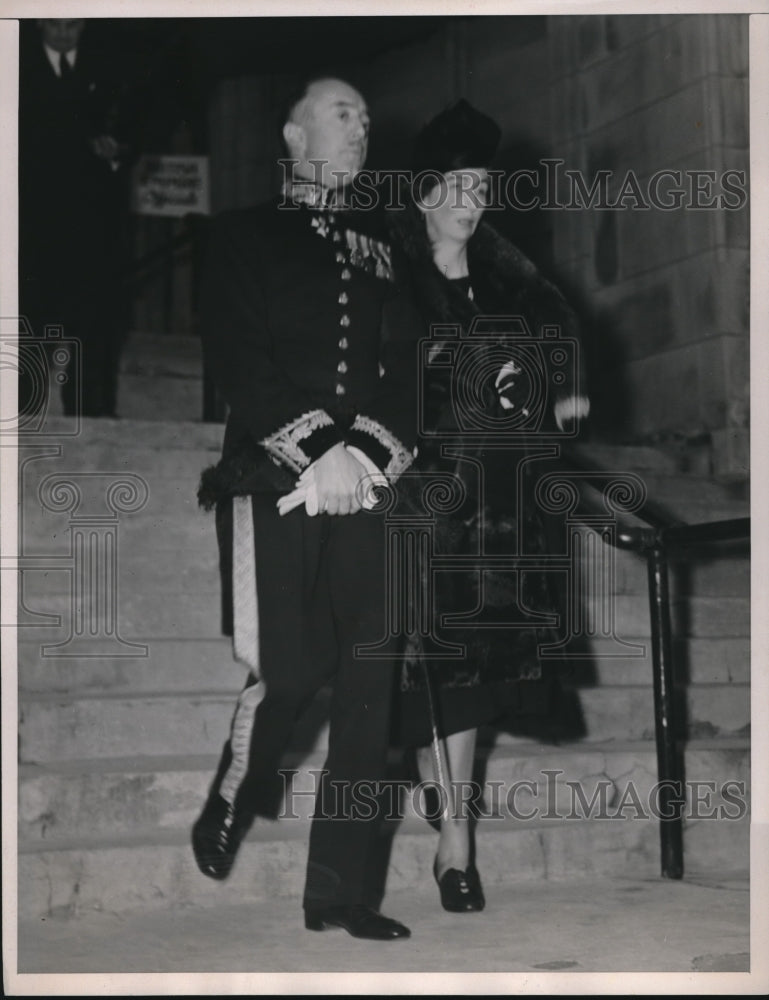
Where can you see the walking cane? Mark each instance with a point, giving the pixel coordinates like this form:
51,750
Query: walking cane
440,763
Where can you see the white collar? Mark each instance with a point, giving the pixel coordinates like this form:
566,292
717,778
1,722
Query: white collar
54,58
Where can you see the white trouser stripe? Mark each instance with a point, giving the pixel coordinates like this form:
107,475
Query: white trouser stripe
240,739
245,638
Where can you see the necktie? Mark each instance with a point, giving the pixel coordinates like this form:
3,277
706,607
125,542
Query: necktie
65,70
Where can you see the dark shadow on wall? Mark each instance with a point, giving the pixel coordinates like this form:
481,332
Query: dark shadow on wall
532,230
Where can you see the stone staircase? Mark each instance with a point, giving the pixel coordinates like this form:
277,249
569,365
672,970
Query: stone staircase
116,751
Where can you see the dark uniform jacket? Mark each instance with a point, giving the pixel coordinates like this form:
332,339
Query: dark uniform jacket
311,341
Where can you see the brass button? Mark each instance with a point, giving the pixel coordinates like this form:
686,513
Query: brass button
345,320
344,344
343,298
342,367
346,274
340,389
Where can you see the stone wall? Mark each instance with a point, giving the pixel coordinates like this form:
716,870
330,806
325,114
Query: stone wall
669,289
663,294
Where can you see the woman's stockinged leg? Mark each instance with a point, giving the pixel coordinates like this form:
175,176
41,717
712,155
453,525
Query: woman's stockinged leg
454,843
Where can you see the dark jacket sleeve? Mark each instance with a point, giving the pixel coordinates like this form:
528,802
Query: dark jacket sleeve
386,428
237,348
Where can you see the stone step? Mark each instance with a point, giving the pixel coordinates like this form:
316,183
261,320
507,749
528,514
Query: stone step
157,870
625,458
136,573
726,575
59,727
116,796
188,665
144,615
172,520
709,710
163,396
143,435
165,356
140,616
161,377
167,493
697,661
139,570
182,665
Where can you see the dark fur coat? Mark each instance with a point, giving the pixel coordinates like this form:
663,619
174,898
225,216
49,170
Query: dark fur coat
507,613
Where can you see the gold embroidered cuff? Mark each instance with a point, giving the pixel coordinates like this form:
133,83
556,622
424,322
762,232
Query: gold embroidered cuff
303,440
384,449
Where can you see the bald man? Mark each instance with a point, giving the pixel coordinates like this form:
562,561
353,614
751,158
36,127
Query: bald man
311,341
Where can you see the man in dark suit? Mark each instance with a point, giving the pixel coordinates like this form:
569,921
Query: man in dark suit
71,205
312,344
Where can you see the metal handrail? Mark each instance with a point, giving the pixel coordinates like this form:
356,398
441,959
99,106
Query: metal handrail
656,541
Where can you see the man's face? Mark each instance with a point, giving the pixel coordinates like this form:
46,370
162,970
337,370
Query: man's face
61,34
335,123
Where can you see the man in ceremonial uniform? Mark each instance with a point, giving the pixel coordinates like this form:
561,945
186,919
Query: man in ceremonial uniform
312,344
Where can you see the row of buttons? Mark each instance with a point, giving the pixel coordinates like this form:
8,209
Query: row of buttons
344,320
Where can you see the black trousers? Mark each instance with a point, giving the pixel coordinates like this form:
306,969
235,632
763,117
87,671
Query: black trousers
321,585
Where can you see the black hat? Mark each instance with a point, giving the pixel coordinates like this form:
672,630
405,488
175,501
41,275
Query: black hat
456,139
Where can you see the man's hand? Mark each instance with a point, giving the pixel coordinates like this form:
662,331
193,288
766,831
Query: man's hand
337,474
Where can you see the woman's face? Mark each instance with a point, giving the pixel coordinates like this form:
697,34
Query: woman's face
453,208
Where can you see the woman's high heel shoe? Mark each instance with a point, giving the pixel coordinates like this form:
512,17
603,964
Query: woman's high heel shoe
461,892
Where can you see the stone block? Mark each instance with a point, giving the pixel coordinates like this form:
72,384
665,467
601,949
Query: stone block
653,136
723,382
641,315
146,396
649,240
623,30
489,58
183,665
139,618
713,294
711,710
590,37
731,453
565,109
562,49
696,661
648,70
728,43
64,728
728,96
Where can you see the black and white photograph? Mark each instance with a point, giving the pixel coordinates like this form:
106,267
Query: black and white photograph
381,558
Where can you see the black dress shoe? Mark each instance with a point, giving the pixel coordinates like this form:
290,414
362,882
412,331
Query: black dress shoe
461,892
216,837
359,920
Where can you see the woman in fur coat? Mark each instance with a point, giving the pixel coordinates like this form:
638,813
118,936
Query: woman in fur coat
484,409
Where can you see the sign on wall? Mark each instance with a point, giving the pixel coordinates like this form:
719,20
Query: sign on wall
171,185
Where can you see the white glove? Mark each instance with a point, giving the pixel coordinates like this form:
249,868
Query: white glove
307,494
298,496
374,478
571,408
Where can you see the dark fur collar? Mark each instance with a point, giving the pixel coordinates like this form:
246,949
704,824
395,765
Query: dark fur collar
505,281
